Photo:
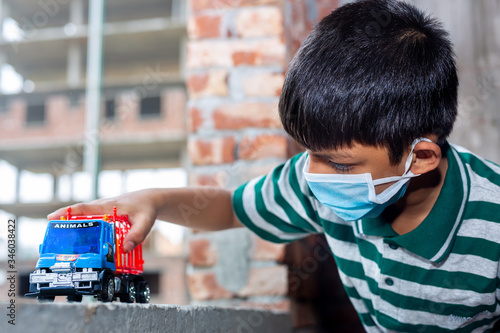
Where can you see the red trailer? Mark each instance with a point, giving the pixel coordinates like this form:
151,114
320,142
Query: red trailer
126,263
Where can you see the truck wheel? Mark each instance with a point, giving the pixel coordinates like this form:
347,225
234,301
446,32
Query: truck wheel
74,298
143,292
108,289
130,295
45,299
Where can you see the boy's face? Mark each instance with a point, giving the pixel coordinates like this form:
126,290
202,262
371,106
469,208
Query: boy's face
357,159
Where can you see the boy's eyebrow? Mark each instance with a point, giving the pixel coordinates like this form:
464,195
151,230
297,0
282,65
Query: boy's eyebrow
332,155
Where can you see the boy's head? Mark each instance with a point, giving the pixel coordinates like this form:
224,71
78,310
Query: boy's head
375,72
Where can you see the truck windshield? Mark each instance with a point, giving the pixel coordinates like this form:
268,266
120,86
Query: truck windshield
72,237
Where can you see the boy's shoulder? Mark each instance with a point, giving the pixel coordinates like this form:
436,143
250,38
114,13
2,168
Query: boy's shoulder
483,180
482,172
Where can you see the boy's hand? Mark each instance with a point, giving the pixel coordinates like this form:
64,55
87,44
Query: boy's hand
139,206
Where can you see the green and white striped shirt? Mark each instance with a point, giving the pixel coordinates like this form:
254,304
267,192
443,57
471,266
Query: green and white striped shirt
442,276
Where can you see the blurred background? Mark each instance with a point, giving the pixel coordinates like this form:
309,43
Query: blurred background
47,65
166,93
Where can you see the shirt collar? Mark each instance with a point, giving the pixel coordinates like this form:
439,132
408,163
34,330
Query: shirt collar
434,237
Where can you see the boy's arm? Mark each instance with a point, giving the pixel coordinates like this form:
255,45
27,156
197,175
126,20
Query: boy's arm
203,208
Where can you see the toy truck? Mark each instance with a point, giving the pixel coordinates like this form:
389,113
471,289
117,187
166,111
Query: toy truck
83,255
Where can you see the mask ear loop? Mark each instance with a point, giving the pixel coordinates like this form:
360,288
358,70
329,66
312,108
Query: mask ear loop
409,159
399,180
407,173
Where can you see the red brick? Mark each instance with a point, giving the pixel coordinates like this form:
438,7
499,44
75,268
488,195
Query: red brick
197,83
266,281
259,22
263,146
211,151
249,114
204,286
195,119
264,250
269,51
244,58
202,253
197,5
203,54
208,84
205,26
263,84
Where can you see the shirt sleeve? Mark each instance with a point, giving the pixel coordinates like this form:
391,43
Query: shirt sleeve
279,206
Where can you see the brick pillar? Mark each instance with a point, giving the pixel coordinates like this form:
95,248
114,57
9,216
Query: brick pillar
236,58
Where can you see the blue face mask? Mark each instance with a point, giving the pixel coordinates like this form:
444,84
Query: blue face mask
353,197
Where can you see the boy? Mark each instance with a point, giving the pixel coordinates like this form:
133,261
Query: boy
412,221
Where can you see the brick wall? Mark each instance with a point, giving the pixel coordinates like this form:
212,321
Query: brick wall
236,58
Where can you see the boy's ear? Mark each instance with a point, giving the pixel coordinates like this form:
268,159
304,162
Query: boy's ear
426,157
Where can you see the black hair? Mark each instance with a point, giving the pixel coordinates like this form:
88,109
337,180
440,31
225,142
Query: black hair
378,72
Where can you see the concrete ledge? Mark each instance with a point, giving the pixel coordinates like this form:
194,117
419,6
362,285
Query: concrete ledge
123,318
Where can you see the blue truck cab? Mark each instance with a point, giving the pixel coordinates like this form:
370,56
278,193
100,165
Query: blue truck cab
72,256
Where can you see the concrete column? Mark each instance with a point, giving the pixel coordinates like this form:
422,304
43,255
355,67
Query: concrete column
93,93
2,16
175,9
3,62
4,12
234,64
18,185
71,187
74,69
76,12
55,196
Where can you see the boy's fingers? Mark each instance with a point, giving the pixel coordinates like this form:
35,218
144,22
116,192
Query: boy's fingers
140,227
141,223
57,214
81,209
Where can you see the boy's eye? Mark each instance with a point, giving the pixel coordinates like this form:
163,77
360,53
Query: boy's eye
340,167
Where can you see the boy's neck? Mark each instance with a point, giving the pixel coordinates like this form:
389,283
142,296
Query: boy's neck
422,194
